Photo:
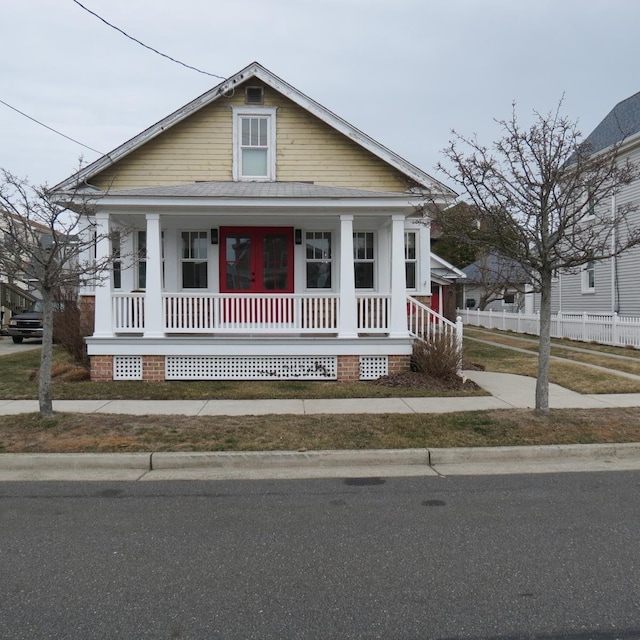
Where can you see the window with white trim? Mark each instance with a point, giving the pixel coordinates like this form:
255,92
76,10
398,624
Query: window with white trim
194,262
410,259
589,277
318,259
586,208
254,141
364,259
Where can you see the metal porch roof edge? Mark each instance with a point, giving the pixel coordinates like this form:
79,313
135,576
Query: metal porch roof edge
256,70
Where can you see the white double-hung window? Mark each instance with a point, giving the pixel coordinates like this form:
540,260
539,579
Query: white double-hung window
589,277
254,140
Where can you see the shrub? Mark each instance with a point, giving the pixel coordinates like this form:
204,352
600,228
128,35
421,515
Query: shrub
70,327
438,358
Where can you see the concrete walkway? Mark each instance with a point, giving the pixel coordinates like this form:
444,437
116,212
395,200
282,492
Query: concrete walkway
507,391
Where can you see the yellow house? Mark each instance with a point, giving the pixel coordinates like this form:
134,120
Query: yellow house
272,239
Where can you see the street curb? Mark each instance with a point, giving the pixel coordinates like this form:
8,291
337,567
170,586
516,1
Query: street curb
537,453
288,459
78,461
316,459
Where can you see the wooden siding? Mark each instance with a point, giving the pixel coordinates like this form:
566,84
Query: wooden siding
200,149
628,268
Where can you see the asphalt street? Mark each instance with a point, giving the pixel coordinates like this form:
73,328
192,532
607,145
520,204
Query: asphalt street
518,557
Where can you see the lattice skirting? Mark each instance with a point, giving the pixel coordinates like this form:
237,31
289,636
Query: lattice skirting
251,368
127,368
373,367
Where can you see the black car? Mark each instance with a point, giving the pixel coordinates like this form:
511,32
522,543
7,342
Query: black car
27,324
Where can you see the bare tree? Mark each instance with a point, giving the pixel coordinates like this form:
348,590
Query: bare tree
49,247
545,201
497,278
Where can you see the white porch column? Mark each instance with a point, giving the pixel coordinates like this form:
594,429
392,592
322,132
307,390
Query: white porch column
347,323
398,321
103,326
153,319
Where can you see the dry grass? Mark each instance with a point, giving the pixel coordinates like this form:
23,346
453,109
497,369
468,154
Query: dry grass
110,433
576,377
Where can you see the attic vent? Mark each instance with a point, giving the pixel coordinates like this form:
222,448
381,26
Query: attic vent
254,95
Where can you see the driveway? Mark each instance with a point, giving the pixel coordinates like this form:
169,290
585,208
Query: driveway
7,346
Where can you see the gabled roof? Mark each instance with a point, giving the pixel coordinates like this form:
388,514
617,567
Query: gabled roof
495,269
622,122
444,271
255,70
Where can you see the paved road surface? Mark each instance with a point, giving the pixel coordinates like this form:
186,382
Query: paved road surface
543,557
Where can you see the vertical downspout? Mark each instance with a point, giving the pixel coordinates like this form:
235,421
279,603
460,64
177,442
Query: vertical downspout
615,303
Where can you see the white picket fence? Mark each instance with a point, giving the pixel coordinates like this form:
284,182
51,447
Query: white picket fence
605,328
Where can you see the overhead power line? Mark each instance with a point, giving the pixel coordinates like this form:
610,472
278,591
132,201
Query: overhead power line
46,126
146,46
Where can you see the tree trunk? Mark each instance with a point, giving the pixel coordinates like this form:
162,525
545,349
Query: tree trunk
46,358
544,351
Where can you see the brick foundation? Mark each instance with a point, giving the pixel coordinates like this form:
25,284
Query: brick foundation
153,368
348,368
399,364
101,368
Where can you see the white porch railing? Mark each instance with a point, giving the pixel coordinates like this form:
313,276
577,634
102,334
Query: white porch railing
265,313
128,312
602,328
239,313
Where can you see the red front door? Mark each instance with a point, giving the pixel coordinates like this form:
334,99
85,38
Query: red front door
256,260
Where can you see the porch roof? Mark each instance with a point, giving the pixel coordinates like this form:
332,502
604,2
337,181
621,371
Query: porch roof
256,198
256,190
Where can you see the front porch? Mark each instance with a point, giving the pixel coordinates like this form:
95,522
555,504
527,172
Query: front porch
224,337
251,280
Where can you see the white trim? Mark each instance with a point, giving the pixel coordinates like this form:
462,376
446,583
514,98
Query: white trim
244,111
199,205
248,346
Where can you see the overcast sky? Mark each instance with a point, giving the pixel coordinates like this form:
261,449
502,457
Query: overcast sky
405,72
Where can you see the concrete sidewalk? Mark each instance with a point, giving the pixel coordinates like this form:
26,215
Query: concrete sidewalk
507,391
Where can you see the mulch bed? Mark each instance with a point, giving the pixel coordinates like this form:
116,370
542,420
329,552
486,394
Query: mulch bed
416,380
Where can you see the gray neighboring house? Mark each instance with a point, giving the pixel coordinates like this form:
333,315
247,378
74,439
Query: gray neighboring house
611,285
497,283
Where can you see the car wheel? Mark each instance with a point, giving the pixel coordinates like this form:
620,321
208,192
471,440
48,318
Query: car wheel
17,339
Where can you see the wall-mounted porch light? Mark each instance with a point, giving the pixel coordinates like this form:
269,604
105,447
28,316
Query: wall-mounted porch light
297,235
214,236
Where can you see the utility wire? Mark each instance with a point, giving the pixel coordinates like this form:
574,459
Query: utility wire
6,104
146,46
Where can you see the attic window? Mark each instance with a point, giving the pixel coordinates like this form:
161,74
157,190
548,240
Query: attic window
254,95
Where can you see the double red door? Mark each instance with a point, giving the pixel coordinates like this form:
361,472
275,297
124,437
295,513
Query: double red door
256,260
